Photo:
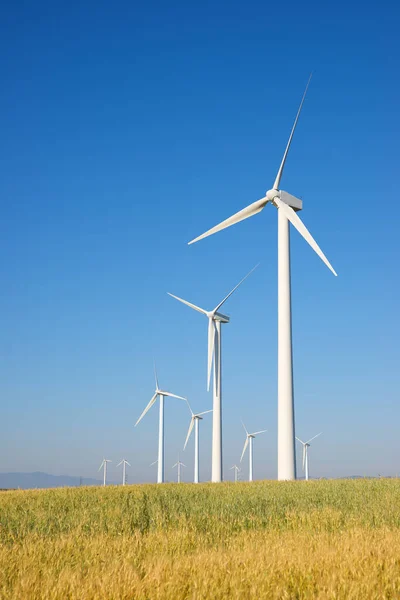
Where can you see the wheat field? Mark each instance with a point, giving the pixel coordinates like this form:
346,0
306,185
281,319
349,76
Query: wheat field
279,540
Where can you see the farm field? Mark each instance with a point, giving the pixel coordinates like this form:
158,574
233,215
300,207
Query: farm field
280,540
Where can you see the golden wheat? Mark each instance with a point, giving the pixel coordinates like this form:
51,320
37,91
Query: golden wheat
325,539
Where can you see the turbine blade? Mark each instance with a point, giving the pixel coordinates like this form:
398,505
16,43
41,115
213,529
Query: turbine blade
211,338
200,310
172,395
155,375
120,463
129,464
245,213
153,463
175,465
203,413
244,448
302,229
150,404
101,466
299,440
191,424
262,431
282,166
234,289
313,438
247,433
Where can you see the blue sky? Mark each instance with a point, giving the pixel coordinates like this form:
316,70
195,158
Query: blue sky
127,130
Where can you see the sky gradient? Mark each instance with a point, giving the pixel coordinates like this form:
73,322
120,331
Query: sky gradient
129,129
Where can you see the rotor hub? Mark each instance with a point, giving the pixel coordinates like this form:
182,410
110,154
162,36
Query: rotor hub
272,194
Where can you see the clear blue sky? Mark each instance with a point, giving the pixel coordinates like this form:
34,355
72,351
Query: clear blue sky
129,128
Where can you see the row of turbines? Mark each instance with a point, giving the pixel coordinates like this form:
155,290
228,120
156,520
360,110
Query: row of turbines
287,207
179,464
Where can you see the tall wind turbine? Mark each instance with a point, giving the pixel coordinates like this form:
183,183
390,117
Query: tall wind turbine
249,442
215,319
306,446
286,204
237,470
194,422
104,467
179,464
161,394
123,463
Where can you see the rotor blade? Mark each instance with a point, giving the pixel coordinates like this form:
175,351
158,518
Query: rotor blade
234,289
200,310
101,466
304,456
247,433
211,338
153,463
244,448
203,413
245,213
172,395
120,463
175,465
190,408
279,175
313,438
150,404
129,464
183,465
155,375
191,424
299,440
257,432
302,229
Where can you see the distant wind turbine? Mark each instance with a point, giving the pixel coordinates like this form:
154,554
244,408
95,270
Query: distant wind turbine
286,205
104,467
237,470
249,442
161,394
215,319
306,446
123,463
179,464
194,422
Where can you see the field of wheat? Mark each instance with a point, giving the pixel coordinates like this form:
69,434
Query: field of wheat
278,540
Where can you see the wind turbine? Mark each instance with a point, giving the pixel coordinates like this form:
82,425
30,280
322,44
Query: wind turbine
123,463
306,446
237,470
161,394
179,464
194,422
249,442
286,204
215,319
104,467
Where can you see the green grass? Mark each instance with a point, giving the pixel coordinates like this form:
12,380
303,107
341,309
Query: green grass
317,539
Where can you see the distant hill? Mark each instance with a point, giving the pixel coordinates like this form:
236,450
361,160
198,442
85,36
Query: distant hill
26,481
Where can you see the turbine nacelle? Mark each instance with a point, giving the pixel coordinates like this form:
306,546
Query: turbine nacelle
220,317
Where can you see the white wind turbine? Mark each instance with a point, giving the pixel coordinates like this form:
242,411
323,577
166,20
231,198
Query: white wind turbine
286,204
306,446
249,442
194,422
215,319
161,395
104,467
179,464
123,463
237,470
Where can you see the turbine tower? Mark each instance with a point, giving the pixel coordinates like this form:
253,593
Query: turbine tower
179,464
215,319
306,446
194,422
161,394
286,204
123,463
104,467
237,470
249,442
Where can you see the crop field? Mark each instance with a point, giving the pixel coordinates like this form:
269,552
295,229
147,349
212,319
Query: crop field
316,539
